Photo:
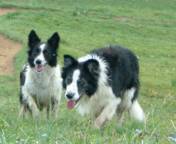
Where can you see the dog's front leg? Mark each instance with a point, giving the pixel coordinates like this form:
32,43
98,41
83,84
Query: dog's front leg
107,113
30,104
32,107
54,106
23,110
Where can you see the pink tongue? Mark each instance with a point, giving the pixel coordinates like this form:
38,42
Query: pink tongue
70,104
39,68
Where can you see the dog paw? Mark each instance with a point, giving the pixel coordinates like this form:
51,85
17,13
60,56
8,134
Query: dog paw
98,123
36,115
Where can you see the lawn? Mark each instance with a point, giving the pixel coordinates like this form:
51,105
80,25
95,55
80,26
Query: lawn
145,26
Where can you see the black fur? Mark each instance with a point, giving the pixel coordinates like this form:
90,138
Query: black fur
33,39
123,69
70,64
89,77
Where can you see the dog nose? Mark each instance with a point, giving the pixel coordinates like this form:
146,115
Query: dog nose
70,95
38,62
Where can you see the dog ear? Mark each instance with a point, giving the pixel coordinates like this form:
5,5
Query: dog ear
69,61
92,66
33,39
54,40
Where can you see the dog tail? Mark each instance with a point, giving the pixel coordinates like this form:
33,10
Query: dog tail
136,112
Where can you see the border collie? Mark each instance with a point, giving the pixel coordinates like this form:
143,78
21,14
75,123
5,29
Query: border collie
40,79
103,83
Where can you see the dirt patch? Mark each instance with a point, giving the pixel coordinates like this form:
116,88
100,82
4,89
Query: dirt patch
8,50
4,11
123,18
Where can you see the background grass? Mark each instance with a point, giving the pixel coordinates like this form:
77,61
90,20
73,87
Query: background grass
145,26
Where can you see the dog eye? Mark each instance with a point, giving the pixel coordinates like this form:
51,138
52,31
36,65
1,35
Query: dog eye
45,52
68,80
37,50
81,82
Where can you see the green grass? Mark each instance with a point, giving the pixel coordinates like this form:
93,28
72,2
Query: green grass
145,26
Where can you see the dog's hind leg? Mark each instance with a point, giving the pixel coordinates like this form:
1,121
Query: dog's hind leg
120,114
132,105
107,113
136,112
125,104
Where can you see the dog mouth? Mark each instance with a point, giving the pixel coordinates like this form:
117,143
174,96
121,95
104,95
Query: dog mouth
39,68
72,103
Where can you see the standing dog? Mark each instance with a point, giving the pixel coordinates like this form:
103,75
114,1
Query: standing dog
40,79
103,83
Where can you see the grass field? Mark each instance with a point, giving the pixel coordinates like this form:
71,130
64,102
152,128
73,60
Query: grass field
145,26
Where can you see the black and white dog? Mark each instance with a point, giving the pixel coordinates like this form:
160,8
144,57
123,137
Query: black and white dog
40,79
103,83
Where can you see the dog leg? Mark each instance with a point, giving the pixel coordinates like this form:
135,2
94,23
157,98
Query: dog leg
137,112
54,106
125,104
33,107
120,114
48,111
134,107
107,113
22,111
30,103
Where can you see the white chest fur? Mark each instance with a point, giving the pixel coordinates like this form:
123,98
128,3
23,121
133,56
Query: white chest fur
97,102
43,86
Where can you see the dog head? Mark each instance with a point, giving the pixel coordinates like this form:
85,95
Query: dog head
42,54
79,79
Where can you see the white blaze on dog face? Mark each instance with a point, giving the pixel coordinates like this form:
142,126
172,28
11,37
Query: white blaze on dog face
40,60
40,56
72,88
